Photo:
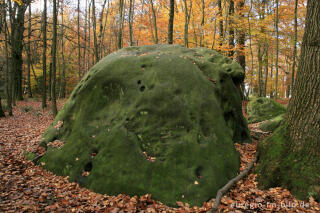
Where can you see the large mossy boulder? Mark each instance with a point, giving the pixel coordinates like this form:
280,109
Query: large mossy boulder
262,109
157,119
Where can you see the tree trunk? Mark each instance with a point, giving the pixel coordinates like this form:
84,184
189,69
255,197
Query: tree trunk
1,110
54,48
89,39
131,12
154,18
186,24
277,49
102,32
202,23
62,91
120,27
290,157
29,53
260,67
17,30
231,29
241,40
221,33
170,25
85,65
79,45
8,71
94,23
44,56
295,43
266,67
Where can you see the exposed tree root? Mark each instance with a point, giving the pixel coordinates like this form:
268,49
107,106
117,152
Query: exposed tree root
224,189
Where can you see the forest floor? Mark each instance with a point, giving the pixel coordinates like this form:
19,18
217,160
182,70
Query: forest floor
26,187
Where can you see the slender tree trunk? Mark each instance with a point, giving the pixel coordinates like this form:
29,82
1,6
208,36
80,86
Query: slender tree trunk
89,38
221,33
44,56
250,47
154,18
63,77
120,27
54,47
1,110
202,23
231,29
8,71
79,45
170,25
241,40
102,46
29,53
260,67
290,157
295,43
186,24
94,23
277,49
85,65
266,66
101,29
214,33
131,12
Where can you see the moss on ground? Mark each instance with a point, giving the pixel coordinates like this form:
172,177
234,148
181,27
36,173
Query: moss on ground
261,109
156,119
272,124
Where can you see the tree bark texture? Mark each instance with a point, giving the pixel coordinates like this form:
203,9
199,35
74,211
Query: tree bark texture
170,25
120,27
291,155
44,56
29,53
54,48
295,43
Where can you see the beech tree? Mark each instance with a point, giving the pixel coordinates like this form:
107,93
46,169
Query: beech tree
290,157
53,52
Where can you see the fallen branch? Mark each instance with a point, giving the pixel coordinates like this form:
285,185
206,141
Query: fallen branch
224,189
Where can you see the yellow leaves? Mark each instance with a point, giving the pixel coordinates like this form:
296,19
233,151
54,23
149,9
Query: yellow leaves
20,2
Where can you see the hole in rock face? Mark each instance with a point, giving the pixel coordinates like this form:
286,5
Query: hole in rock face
142,88
88,167
198,172
139,82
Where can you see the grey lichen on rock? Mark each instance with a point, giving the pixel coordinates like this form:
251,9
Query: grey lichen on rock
158,119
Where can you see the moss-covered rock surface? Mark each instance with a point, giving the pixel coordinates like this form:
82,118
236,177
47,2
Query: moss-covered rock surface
272,124
261,109
155,119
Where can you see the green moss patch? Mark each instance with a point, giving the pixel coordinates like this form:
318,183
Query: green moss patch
272,124
280,166
261,109
156,119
